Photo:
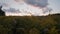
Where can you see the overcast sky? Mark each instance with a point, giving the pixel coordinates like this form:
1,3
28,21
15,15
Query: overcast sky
34,7
55,5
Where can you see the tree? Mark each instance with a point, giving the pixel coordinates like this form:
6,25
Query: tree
2,13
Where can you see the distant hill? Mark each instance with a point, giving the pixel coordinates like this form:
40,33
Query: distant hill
30,24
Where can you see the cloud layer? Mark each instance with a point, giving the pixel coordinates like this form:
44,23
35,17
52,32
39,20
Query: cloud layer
38,3
24,4
12,10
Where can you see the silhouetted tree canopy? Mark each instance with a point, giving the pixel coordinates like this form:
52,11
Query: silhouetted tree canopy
2,13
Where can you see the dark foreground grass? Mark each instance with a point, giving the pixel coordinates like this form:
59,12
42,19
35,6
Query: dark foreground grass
30,24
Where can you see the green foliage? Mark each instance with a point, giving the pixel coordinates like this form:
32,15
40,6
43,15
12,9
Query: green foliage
30,24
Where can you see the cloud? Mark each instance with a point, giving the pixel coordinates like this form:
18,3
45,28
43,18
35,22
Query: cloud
38,3
0,4
47,10
12,10
23,4
43,4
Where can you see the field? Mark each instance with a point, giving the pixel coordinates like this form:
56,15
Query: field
30,24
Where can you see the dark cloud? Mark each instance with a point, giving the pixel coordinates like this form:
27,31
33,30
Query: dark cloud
38,3
12,10
43,4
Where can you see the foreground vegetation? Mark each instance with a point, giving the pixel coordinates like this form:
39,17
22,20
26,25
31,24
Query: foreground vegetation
30,25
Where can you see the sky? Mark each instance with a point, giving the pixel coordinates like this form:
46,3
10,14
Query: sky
55,5
30,7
